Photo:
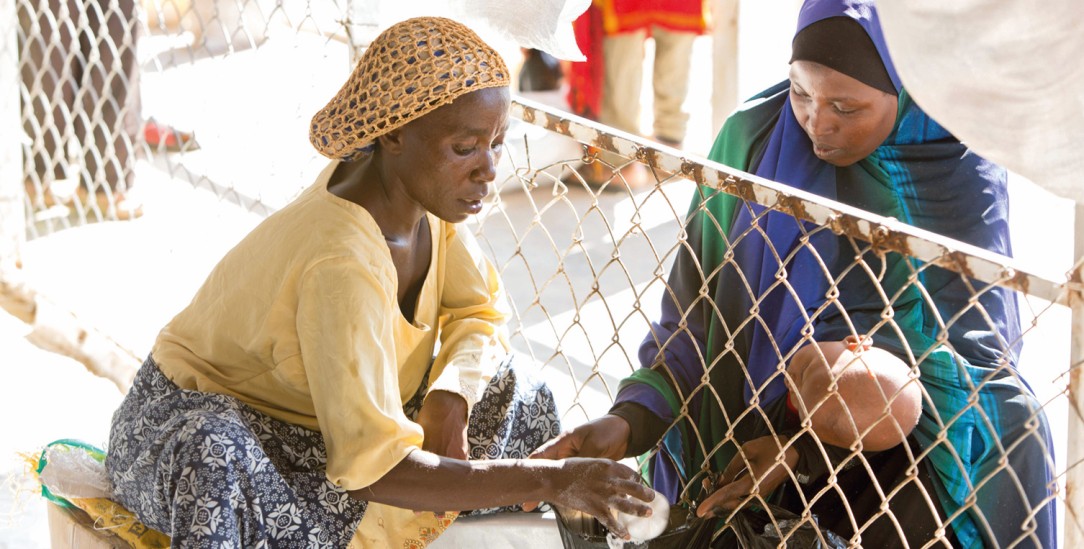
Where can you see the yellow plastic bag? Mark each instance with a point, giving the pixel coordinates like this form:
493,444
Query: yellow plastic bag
102,514
387,527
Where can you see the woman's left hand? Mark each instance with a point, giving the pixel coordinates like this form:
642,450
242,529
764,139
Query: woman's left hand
760,466
443,418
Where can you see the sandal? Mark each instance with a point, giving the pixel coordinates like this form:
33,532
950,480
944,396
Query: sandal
53,193
164,137
595,175
124,207
62,193
601,178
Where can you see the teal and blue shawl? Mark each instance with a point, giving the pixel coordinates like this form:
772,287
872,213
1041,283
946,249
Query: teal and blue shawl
750,287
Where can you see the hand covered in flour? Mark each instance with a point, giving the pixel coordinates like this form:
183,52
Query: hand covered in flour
646,528
759,467
603,489
443,419
605,437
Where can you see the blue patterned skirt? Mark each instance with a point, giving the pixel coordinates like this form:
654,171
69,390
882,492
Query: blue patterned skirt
211,471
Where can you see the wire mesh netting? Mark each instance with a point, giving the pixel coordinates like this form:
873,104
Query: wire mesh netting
760,370
113,92
818,357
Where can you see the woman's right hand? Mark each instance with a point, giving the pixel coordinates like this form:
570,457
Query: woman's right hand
605,437
598,487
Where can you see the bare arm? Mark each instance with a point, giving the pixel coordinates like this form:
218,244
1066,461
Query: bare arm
425,481
443,418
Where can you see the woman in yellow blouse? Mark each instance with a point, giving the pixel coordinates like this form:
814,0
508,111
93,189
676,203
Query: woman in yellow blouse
352,344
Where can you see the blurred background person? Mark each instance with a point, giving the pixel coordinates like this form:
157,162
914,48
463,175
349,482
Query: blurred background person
81,105
615,32
81,90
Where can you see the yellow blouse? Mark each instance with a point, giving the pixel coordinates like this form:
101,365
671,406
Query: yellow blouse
301,321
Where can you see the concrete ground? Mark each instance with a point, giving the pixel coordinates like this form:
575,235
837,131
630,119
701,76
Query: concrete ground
250,113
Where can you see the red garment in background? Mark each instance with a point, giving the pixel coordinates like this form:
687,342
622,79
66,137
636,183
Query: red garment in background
616,16
629,15
585,79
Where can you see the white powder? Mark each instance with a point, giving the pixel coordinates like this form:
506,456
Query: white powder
614,542
645,528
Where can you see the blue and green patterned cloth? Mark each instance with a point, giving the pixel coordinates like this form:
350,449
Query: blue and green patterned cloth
753,286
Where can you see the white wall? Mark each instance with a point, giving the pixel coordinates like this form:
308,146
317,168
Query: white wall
766,29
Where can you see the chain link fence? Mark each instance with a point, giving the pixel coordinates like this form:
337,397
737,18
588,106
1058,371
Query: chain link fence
588,268
115,93
616,279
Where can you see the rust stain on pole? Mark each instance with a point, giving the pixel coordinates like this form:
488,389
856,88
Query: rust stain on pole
1019,281
883,238
557,124
957,261
528,115
648,156
738,187
844,225
693,171
604,141
793,206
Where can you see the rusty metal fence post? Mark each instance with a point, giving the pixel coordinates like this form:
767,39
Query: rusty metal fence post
1074,482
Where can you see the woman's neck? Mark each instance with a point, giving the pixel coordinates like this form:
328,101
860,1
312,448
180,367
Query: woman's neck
369,184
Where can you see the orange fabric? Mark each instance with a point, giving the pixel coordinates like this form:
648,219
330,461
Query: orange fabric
585,78
620,16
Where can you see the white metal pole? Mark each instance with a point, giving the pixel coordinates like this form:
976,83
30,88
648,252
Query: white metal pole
1074,482
12,215
362,26
724,61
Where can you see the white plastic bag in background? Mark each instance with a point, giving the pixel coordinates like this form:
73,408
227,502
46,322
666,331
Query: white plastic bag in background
1004,76
541,24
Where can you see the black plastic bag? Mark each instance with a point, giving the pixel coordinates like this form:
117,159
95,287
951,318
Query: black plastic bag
684,531
754,527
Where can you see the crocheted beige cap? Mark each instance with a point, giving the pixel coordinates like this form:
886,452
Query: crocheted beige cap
411,69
